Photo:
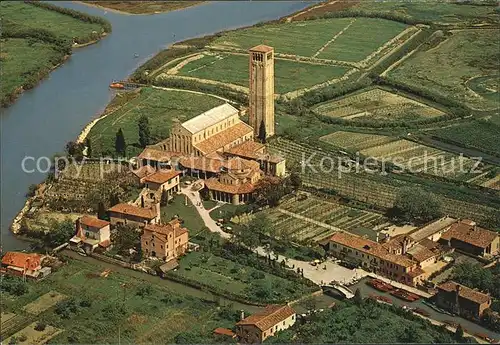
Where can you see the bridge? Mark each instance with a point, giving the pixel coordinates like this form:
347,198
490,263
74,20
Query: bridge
345,291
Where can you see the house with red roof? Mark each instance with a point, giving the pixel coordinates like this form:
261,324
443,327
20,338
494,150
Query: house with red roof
465,235
462,300
22,264
258,327
165,241
91,233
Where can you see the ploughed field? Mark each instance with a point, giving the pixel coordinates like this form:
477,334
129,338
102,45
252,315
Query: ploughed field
453,66
377,105
314,219
160,106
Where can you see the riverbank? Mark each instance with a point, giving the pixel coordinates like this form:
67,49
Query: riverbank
137,8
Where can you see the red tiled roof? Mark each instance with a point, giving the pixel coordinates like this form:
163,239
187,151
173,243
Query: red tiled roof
465,232
269,317
21,260
262,48
465,292
127,209
165,229
223,138
93,222
224,331
162,176
214,184
202,164
144,171
247,149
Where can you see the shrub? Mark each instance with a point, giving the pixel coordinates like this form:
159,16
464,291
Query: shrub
40,326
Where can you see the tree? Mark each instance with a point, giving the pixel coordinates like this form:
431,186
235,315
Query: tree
269,191
60,233
125,237
75,150
88,143
415,205
144,131
295,180
459,333
101,211
243,235
120,144
262,132
358,299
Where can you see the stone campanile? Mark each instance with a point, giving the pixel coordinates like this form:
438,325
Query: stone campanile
261,97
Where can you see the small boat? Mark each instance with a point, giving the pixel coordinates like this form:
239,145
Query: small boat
405,295
117,85
421,312
380,285
136,55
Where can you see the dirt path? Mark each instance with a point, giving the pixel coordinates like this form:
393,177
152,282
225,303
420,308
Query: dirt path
313,8
237,88
334,38
184,62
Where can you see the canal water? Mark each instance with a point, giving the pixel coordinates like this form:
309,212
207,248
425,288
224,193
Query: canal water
469,326
44,119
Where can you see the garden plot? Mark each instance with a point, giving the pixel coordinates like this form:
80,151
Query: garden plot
378,105
30,335
355,141
314,219
44,302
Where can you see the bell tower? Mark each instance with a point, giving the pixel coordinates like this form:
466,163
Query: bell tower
261,97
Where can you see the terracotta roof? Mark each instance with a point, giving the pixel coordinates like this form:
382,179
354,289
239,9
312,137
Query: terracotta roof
370,247
416,272
202,163
428,244
262,48
165,229
420,253
105,243
224,331
269,317
127,209
144,171
21,260
93,222
156,155
471,234
465,292
237,163
223,138
180,231
162,176
214,184
247,149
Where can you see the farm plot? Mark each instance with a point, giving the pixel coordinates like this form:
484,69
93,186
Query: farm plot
447,68
44,302
160,106
378,105
289,75
355,141
34,336
420,158
314,219
356,43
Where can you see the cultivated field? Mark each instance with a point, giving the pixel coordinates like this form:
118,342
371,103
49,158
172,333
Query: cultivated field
355,141
314,219
289,75
160,106
30,335
379,105
342,39
447,68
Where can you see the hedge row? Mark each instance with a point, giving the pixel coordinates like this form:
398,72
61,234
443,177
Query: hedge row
106,25
178,83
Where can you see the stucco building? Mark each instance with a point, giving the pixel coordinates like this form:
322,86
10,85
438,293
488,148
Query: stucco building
261,89
22,264
462,300
165,241
128,214
258,327
163,181
91,233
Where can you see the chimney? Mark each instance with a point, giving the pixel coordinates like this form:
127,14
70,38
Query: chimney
242,315
142,201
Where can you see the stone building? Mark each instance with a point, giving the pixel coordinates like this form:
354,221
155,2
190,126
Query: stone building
462,300
258,327
261,95
164,241
465,235
128,214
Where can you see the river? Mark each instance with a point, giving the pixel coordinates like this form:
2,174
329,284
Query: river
44,119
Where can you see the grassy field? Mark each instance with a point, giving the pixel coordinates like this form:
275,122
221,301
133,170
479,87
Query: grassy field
289,75
142,310
356,43
144,7
240,280
377,105
22,61
189,214
160,107
480,134
288,217
355,141
441,12
59,24
445,69
306,38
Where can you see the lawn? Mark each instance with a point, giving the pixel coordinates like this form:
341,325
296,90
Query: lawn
33,17
296,38
233,278
445,69
142,311
289,75
357,43
189,214
23,60
160,106
433,11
